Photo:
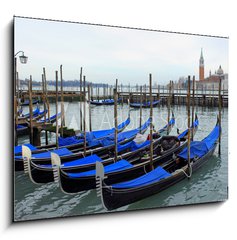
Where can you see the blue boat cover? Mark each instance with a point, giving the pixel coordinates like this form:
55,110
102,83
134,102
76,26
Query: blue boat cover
118,166
102,133
60,152
35,112
154,176
43,112
18,149
91,136
50,119
21,127
132,146
200,148
109,140
108,101
144,104
82,161
171,123
69,141
184,133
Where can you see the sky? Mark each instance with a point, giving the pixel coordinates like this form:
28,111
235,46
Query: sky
109,53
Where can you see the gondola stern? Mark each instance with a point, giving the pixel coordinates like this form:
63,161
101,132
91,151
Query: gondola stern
26,156
56,162
100,182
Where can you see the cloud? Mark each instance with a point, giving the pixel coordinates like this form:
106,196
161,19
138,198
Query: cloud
107,53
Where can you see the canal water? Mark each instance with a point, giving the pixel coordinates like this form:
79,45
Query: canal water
208,184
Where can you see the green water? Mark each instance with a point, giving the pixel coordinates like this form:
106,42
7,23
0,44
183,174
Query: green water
208,184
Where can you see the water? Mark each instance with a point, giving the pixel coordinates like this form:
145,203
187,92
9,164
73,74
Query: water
208,184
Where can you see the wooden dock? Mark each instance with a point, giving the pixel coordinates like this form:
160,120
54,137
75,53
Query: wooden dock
178,96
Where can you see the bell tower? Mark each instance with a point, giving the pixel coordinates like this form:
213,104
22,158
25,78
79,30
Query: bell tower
201,67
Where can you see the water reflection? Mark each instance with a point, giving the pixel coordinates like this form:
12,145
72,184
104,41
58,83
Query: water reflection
208,184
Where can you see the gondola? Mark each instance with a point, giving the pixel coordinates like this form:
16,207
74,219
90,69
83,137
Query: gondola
27,102
70,143
37,114
167,128
93,135
103,102
122,170
127,192
44,172
27,115
51,119
102,146
144,105
23,129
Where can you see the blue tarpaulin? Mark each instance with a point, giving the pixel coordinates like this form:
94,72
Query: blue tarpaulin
82,161
132,146
18,149
51,118
153,176
109,140
184,133
34,113
91,137
144,104
69,141
200,148
118,166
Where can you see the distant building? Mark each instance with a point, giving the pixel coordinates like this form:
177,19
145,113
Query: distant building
212,81
201,67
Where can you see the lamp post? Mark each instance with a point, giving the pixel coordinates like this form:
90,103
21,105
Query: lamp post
23,60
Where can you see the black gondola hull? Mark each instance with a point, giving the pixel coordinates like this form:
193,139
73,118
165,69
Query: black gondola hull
116,198
73,184
95,150
41,174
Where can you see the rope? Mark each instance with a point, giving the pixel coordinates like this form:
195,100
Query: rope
181,170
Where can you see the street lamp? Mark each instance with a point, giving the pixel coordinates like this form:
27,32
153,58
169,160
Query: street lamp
23,58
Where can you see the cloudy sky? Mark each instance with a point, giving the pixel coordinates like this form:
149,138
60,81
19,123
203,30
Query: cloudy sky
107,53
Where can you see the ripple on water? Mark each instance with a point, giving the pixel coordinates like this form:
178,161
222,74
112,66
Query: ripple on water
208,184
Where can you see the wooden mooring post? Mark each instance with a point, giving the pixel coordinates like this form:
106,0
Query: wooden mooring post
151,123
62,102
116,122
219,107
189,132
193,105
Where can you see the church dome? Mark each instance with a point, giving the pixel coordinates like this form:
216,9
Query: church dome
220,71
